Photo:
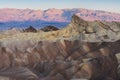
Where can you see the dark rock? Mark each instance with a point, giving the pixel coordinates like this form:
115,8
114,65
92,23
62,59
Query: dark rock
30,29
49,28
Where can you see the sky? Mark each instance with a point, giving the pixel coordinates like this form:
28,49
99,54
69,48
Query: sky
107,5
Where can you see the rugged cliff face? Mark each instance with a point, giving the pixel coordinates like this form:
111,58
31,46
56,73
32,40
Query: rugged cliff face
82,50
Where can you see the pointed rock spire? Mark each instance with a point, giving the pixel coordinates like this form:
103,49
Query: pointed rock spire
78,24
76,19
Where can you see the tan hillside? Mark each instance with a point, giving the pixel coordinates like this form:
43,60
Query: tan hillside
78,28
81,50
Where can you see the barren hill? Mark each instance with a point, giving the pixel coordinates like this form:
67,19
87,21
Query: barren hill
81,50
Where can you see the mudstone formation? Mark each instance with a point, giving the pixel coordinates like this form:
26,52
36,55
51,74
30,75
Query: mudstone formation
83,50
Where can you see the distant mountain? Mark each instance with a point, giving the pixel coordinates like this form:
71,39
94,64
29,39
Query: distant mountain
25,24
55,15
23,18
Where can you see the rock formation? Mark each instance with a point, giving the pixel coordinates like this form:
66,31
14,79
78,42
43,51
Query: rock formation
79,51
49,28
30,29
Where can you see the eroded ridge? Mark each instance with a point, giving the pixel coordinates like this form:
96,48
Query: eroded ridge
78,29
78,51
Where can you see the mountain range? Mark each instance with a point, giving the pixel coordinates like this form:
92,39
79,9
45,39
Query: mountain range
24,17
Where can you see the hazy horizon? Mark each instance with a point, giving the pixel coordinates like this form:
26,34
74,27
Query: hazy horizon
105,5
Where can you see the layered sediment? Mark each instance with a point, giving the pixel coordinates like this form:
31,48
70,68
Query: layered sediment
82,50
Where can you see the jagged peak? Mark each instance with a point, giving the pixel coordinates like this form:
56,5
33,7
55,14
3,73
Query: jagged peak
76,19
78,24
30,29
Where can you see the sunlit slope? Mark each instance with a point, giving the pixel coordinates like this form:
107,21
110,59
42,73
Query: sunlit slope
77,29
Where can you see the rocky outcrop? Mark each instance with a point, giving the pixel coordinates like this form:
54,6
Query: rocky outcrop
30,29
49,28
93,30
79,51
